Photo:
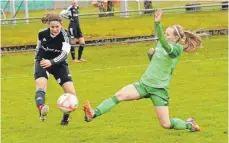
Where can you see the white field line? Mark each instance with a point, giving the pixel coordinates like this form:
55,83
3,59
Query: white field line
120,67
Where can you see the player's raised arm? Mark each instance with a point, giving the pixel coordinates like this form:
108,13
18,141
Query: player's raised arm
66,14
164,42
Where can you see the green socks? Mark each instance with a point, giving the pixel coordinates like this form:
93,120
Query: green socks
110,103
106,106
179,124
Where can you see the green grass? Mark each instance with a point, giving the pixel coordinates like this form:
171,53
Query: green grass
118,27
199,89
132,5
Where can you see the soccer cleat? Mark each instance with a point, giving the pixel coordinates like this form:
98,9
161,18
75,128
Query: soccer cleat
76,61
65,119
43,112
88,111
195,127
64,122
83,60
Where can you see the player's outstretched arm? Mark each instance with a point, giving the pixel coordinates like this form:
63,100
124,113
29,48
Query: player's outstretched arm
160,33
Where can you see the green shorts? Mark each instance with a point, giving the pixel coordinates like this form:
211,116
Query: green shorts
159,96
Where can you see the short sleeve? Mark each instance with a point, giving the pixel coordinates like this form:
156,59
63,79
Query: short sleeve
176,51
39,36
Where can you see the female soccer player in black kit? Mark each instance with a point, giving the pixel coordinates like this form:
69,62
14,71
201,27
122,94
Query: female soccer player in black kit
51,53
74,30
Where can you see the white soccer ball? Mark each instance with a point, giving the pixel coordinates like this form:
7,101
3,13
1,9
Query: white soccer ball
67,102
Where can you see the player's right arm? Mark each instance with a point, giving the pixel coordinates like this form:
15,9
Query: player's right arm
67,13
150,53
38,45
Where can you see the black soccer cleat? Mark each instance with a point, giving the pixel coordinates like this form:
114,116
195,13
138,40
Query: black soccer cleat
64,122
65,119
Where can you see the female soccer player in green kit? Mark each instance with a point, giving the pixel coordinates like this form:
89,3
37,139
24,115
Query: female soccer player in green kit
155,82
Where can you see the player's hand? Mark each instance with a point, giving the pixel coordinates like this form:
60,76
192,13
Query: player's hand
45,63
151,51
157,15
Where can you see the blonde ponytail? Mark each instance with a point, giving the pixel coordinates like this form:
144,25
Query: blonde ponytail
192,41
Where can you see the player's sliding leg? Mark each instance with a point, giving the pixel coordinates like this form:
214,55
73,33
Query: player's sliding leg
127,93
174,123
195,127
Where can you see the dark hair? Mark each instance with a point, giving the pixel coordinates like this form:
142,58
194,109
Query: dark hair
48,17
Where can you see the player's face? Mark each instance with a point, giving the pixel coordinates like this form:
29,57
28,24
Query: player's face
73,3
169,33
55,27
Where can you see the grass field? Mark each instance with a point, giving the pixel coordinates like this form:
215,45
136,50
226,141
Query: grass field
117,27
132,5
199,89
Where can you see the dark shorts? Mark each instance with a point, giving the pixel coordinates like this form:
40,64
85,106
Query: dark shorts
60,72
74,30
159,96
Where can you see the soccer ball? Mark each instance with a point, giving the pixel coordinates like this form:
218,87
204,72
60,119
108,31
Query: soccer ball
67,102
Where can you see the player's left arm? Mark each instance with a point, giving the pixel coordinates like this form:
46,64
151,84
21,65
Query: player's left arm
176,50
65,50
173,50
150,53
164,42
62,57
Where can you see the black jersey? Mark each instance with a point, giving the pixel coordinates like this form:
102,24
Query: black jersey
53,48
73,13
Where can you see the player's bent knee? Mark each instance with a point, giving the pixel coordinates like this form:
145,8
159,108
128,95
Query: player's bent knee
72,91
82,41
69,87
120,96
165,125
41,83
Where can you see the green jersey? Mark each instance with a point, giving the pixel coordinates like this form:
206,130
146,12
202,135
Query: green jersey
163,62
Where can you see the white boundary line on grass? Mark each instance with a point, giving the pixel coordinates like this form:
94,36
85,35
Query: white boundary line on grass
110,68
